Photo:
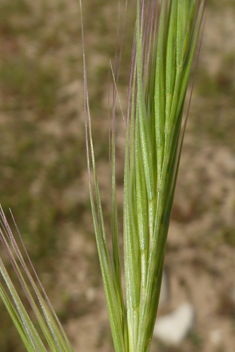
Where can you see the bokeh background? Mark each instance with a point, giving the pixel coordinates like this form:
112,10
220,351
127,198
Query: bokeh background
43,176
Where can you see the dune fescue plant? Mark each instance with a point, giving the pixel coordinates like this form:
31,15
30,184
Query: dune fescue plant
47,332
166,34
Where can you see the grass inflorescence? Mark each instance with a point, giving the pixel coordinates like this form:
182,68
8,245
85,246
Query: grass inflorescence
166,34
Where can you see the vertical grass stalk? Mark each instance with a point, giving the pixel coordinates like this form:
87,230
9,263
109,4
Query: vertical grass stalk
166,33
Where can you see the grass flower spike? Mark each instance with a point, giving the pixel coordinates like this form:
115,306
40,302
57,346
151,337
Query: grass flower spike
47,332
166,34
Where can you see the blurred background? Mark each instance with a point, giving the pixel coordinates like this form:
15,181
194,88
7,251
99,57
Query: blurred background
43,177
